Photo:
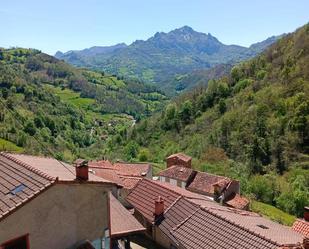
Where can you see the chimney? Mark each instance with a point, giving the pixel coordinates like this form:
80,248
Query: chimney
159,206
306,213
81,168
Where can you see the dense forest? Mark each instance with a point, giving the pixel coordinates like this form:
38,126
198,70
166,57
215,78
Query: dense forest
252,125
50,106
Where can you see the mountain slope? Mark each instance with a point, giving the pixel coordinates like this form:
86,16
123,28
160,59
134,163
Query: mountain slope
68,110
166,54
252,125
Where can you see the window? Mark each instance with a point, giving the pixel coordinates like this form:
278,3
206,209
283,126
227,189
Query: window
18,243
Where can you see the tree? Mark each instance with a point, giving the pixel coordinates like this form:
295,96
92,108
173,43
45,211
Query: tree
185,112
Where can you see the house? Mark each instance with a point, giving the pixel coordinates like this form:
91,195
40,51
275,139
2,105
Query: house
177,175
196,223
126,175
302,225
45,203
179,159
222,189
142,197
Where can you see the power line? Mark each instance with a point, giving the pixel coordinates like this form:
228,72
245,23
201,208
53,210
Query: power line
17,116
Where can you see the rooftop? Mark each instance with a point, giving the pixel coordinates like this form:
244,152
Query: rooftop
122,221
177,172
204,182
205,224
51,167
301,226
143,195
237,201
181,156
132,169
19,183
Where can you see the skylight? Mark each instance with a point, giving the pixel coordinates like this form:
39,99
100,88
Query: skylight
18,189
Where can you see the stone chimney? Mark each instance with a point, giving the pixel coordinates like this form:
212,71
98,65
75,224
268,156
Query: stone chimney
81,168
159,206
306,213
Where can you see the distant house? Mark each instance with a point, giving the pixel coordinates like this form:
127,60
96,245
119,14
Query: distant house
177,218
45,203
223,189
177,175
179,159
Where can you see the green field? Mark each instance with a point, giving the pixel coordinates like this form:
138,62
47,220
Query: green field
272,213
9,146
71,97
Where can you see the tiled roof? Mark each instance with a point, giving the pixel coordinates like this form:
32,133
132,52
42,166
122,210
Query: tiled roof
181,156
204,182
107,174
143,195
101,164
129,182
122,221
123,169
132,169
302,227
204,224
52,167
177,172
237,201
19,183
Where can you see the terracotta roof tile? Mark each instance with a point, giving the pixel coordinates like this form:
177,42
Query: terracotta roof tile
143,195
107,174
181,156
302,227
19,183
51,167
122,221
204,182
237,201
129,182
101,164
196,223
132,169
177,172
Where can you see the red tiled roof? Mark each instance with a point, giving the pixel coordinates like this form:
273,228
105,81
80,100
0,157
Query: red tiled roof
122,221
302,227
143,195
181,156
204,224
177,172
101,164
132,169
52,167
237,201
204,182
107,174
129,182
19,183
123,169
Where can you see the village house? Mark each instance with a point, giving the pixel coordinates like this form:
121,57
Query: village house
177,218
45,203
124,174
222,189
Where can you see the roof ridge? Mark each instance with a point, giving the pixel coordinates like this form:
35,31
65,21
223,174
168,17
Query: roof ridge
208,210
29,167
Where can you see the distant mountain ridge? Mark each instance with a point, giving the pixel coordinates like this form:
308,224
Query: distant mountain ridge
164,55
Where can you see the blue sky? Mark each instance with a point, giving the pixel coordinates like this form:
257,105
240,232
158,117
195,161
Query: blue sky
51,25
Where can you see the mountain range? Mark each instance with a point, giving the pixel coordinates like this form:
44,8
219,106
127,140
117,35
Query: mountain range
164,55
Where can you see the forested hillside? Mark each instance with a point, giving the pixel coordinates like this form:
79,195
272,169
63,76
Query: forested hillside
252,125
46,103
164,55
